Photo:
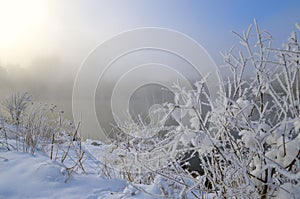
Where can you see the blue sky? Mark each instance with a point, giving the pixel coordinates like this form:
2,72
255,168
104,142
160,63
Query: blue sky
209,22
70,29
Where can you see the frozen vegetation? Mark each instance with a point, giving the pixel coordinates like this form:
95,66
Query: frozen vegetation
244,144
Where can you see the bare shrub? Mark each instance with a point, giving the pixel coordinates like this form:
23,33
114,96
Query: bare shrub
15,105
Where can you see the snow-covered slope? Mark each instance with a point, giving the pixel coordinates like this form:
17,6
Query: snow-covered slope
25,176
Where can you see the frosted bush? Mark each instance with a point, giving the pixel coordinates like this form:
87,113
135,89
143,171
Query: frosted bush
247,140
32,125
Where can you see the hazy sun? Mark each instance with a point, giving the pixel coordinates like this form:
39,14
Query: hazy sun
18,16
20,21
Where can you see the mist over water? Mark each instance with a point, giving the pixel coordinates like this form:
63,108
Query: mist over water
48,79
41,29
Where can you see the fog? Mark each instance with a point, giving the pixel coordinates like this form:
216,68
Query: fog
47,79
43,43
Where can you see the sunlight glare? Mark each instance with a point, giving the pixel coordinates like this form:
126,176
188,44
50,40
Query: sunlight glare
19,18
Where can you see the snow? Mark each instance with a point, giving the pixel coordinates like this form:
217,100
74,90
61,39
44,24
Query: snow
26,176
23,175
248,138
286,190
247,141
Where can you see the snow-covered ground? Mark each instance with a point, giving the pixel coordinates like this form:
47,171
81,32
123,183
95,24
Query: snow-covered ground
23,175
26,176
